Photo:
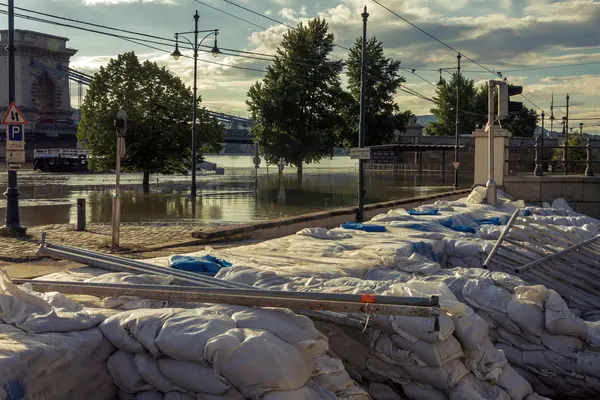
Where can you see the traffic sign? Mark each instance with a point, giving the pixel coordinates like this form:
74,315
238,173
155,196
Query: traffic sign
14,133
455,164
14,167
360,153
14,116
15,156
256,161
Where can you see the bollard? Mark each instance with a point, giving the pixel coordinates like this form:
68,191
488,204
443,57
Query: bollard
538,158
81,214
589,170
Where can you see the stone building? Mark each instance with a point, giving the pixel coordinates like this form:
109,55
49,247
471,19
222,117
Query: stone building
42,87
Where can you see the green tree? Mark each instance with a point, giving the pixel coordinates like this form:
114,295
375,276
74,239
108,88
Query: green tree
158,106
445,107
297,106
382,83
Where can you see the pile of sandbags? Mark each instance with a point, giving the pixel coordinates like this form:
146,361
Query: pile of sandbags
223,352
50,347
407,354
540,336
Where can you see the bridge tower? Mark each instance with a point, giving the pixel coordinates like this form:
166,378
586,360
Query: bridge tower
42,82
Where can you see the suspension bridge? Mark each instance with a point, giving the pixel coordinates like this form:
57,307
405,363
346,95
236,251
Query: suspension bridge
237,128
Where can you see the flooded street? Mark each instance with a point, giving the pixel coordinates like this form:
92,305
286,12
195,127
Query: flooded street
239,196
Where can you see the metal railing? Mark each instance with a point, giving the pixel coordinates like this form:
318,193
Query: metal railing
407,167
567,157
60,153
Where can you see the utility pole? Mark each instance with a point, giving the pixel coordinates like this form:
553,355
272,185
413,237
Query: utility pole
361,133
542,135
491,183
456,161
567,121
13,223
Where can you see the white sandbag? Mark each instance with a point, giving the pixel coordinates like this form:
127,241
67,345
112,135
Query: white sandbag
380,391
443,378
535,382
512,354
256,361
392,372
353,392
486,363
122,369
471,388
123,395
385,349
322,233
517,341
548,363
149,370
516,386
562,204
416,391
281,322
310,391
149,395
413,328
184,335
432,354
484,295
122,329
526,310
566,346
345,347
470,330
42,312
330,373
193,377
560,320
179,396
232,394
588,363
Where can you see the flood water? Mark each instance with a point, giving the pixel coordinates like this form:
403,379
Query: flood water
239,196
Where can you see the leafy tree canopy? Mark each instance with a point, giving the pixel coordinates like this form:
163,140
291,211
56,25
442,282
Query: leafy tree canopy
382,83
296,107
159,108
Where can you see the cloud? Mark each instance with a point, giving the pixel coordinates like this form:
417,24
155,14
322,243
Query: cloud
287,13
303,12
269,12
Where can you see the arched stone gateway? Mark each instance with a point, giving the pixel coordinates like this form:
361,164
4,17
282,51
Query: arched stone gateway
41,88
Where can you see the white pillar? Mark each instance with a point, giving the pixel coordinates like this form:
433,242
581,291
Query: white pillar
501,141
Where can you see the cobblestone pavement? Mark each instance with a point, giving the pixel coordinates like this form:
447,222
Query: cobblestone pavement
136,241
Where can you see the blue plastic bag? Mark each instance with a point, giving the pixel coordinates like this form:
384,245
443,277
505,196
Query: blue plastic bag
489,221
449,223
205,265
364,227
434,211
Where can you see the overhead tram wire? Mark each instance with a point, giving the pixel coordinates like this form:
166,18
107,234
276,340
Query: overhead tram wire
242,53
273,20
126,38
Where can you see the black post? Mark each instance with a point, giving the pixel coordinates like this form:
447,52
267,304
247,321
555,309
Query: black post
81,214
361,135
194,149
542,140
457,122
565,151
567,120
538,158
589,170
13,223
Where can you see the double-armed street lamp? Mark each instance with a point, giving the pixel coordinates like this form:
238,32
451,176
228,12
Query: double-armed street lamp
176,55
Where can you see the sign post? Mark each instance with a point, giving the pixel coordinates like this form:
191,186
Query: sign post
121,128
15,123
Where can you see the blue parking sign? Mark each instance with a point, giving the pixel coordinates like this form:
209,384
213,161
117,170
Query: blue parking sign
15,133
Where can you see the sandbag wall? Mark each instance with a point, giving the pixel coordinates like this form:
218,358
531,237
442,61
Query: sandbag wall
223,352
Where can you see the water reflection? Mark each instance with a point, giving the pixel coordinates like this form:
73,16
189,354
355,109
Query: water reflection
239,196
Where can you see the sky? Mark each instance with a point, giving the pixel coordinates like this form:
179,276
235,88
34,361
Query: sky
524,39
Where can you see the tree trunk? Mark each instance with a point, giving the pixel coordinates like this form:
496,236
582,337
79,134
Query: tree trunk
146,182
299,167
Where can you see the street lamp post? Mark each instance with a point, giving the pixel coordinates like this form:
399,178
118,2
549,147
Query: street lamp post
176,55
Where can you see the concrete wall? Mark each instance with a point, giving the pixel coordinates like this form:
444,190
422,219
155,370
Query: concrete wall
581,192
501,140
326,219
